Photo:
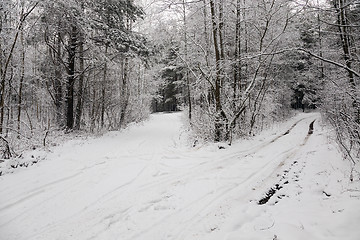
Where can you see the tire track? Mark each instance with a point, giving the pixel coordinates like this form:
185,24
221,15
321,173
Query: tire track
197,208
34,192
210,199
210,165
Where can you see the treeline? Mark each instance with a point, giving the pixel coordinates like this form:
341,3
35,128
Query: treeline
72,65
245,64
234,66
238,75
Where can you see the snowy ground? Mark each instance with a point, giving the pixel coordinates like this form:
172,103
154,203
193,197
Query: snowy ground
145,183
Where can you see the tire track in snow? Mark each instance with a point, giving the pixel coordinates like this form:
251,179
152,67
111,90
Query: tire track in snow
209,165
288,157
164,183
38,205
209,200
92,205
42,189
198,217
255,175
290,153
34,192
108,196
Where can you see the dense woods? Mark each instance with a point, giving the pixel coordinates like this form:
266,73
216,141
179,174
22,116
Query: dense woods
71,65
235,66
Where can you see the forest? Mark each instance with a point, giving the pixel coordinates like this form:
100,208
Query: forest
234,66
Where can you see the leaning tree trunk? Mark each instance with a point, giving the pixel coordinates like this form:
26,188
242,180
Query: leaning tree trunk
4,69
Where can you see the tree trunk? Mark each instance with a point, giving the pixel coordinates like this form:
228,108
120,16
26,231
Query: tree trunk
71,78
221,30
21,83
103,91
345,34
9,108
4,69
93,108
187,79
237,70
246,42
320,42
79,106
344,30
58,94
3,77
124,92
206,35
220,117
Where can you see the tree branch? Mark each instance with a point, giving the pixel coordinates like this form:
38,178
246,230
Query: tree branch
329,61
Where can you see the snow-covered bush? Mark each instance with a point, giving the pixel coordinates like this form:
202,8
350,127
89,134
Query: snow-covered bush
341,108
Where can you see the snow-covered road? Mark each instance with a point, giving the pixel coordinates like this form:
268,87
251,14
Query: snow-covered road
145,183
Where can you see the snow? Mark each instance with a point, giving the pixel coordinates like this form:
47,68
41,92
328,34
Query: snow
146,182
